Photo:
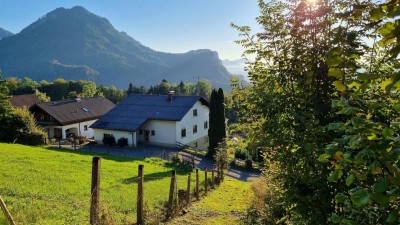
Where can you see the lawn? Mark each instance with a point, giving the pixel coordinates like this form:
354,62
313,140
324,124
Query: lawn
225,205
52,186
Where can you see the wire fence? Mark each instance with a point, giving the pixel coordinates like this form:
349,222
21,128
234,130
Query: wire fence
117,201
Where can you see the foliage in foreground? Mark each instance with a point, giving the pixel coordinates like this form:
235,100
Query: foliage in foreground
325,107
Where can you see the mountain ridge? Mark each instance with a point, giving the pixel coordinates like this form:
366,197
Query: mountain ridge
78,44
5,33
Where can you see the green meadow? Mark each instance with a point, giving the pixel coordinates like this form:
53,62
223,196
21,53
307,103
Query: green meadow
43,185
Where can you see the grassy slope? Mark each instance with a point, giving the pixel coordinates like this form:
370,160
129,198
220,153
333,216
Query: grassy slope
225,205
51,186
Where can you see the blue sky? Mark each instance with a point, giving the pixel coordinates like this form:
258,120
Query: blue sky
164,25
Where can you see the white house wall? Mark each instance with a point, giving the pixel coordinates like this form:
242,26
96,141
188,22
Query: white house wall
77,128
99,134
164,132
187,123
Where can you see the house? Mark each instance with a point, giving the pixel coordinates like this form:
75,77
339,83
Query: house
157,120
19,101
72,117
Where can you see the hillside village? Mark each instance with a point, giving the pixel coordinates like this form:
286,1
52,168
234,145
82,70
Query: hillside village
96,128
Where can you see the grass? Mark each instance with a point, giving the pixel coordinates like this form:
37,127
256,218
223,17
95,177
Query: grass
52,186
225,205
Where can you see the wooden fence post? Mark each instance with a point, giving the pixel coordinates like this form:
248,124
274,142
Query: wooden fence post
171,190
188,189
205,181
212,176
218,174
139,215
197,185
6,212
95,190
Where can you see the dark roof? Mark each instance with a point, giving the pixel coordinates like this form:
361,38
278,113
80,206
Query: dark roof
74,111
19,101
134,110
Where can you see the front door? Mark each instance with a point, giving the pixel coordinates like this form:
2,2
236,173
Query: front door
146,135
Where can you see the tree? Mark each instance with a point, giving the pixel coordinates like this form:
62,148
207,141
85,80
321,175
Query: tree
203,88
324,104
287,108
9,124
217,130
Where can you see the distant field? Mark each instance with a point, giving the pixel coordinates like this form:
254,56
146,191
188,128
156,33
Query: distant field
52,186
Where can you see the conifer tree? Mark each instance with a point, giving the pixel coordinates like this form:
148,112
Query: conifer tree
216,131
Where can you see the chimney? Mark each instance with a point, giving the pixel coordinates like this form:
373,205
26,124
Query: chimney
171,95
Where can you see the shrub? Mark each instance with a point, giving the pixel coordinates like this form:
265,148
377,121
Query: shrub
109,140
122,142
242,154
248,164
30,133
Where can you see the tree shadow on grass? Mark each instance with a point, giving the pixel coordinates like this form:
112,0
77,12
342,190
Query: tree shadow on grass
103,155
180,170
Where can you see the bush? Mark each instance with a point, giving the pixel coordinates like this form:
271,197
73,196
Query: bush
29,133
242,154
248,164
109,140
122,142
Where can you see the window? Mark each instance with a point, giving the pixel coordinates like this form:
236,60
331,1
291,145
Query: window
140,131
153,132
194,129
183,133
206,125
194,112
85,127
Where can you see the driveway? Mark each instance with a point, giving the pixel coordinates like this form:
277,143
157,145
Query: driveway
145,151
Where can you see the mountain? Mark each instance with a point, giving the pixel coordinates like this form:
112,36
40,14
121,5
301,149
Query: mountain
4,33
76,44
236,67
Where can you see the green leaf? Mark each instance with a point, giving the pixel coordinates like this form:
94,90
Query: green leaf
335,72
372,137
349,180
387,132
386,29
393,215
340,198
335,126
324,158
334,61
377,14
381,186
397,107
367,76
339,86
335,175
381,199
360,197
336,218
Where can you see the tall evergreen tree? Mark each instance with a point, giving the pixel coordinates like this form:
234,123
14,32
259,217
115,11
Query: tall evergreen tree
216,131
